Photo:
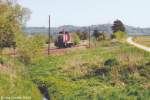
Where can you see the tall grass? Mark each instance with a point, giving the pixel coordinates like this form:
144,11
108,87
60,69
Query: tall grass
85,75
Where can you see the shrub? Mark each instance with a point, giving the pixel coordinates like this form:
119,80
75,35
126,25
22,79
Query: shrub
101,71
119,35
113,36
24,57
76,39
30,49
83,35
99,35
111,62
1,61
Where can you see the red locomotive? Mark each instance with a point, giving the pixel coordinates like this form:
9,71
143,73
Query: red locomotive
64,40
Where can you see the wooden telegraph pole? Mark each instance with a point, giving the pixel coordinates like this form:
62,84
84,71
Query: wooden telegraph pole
49,36
89,37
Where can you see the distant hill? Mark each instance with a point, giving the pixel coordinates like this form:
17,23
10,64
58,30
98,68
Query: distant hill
103,27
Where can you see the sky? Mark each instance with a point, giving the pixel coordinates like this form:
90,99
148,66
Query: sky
88,12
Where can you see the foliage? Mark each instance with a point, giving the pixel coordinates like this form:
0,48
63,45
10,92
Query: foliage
1,61
14,78
113,36
84,74
96,34
12,17
120,35
47,39
30,48
24,57
6,32
118,26
76,39
15,81
99,35
111,62
82,35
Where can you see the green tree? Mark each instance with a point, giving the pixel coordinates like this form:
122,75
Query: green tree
6,30
118,30
118,26
12,18
99,35
82,35
102,36
6,34
96,34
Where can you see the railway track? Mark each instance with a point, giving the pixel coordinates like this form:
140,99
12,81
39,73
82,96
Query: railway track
53,51
62,51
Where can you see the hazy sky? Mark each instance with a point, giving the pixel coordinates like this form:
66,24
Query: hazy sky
88,12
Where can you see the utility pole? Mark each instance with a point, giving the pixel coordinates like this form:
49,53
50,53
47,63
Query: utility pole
49,36
89,37
14,50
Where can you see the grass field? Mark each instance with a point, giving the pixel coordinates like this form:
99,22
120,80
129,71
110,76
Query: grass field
112,71
143,40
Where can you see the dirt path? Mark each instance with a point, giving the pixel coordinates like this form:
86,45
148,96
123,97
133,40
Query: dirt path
130,41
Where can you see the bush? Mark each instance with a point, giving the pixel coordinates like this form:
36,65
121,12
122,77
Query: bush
1,61
101,71
30,49
111,62
24,57
119,35
99,35
83,35
113,36
76,39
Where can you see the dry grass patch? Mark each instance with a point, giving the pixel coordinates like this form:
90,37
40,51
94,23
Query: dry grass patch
143,40
7,69
130,59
